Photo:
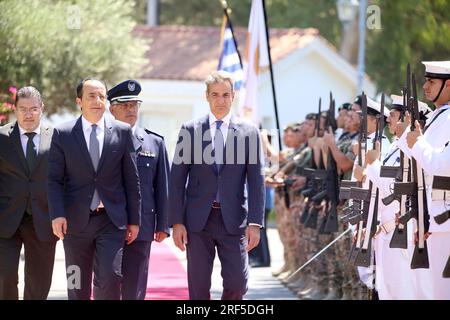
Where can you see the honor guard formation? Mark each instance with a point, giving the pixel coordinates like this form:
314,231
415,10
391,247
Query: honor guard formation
361,200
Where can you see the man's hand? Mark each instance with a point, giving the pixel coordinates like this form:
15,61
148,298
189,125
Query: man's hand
359,173
355,148
279,176
59,226
373,154
180,236
312,141
252,233
328,138
160,236
412,136
132,233
319,143
299,182
401,126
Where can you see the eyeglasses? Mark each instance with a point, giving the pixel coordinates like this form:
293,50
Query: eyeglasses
128,105
33,110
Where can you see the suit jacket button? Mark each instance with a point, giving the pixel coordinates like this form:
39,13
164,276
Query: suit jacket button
90,196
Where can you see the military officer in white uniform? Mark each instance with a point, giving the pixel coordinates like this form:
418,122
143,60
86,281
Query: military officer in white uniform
436,134
373,110
394,277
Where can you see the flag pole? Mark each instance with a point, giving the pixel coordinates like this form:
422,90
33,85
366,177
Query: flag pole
225,11
277,121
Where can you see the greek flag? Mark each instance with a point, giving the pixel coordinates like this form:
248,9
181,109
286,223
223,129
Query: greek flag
229,58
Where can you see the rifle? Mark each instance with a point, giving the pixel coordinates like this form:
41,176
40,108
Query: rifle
307,191
442,183
362,152
419,209
332,183
446,272
310,220
365,253
316,197
344,191
399,236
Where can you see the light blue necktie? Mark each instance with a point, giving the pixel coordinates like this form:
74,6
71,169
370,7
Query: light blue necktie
94,151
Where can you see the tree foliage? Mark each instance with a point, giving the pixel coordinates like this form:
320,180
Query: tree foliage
411,31
320,14
52,45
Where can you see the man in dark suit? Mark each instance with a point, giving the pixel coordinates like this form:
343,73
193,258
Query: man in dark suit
211,212
93,194
153,168
24,218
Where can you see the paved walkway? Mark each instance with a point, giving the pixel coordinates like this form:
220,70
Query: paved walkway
262,285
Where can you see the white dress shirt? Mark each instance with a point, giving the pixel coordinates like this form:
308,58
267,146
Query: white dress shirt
224,127
87,129
24,139
100,131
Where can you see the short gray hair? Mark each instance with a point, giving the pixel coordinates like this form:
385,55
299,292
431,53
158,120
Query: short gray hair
28,92
219,77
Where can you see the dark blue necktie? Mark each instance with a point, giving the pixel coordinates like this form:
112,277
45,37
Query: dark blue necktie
218,152
218,146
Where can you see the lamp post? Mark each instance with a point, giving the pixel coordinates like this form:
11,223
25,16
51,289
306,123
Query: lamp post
346,12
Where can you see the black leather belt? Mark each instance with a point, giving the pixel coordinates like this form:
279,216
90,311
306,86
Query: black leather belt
98,211
216,205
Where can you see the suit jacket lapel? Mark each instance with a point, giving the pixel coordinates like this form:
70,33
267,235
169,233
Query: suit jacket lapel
106,143
207,141
17,144
44,145
79,135
230,143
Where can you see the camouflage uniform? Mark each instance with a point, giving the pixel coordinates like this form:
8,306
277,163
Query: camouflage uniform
283,220
302,160
348,277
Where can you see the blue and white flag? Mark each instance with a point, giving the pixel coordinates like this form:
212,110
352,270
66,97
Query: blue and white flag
229,58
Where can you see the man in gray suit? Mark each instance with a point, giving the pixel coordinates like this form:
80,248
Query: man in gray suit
219,156
24,218
94,196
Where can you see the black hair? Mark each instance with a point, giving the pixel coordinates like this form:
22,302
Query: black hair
81,84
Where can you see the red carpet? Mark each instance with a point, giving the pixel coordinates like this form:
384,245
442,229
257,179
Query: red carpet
167,279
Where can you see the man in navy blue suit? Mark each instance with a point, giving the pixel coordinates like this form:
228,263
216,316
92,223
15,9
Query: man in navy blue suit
219,156
94,196
153,167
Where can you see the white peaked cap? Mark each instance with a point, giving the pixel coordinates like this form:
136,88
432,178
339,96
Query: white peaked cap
437,69
377,106
423,107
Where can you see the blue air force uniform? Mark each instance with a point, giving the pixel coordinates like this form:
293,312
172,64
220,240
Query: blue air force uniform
153,168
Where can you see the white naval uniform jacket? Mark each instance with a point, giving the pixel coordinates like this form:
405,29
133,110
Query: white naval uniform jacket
385,145
385,186
437,136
